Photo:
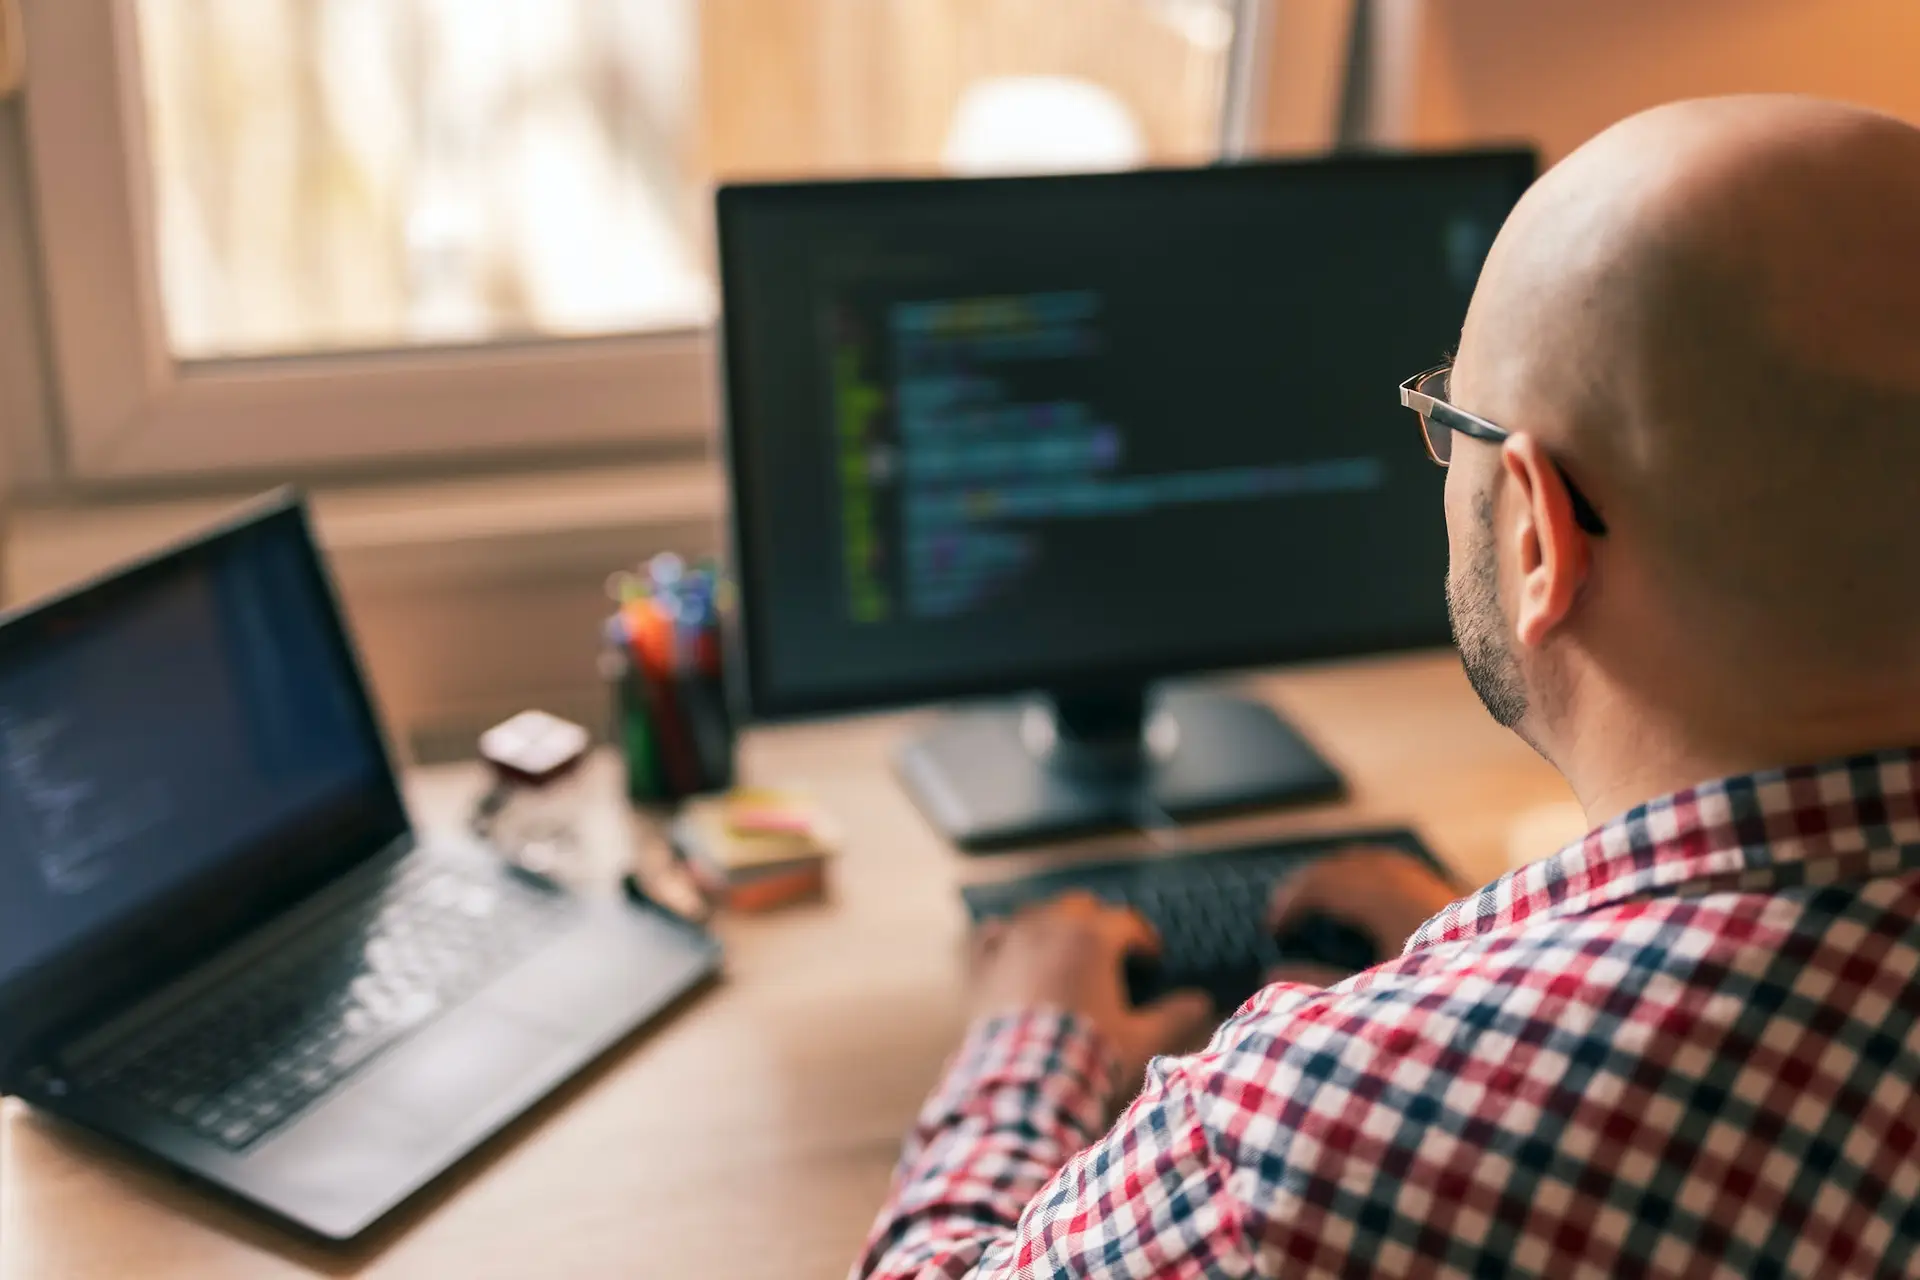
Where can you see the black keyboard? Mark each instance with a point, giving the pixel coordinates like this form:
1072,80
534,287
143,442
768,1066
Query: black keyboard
256,1052
1210,909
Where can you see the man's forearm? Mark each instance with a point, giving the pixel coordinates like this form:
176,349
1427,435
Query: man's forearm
1024,1093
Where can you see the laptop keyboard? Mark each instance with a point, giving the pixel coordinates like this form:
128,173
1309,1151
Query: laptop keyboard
261,1049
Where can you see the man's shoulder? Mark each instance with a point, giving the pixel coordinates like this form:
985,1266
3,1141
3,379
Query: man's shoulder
1548,980
1606,1050
1567,1041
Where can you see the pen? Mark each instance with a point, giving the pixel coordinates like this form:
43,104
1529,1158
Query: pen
638,895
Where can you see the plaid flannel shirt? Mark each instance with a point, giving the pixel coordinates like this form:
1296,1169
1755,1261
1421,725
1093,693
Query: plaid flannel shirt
1685,1045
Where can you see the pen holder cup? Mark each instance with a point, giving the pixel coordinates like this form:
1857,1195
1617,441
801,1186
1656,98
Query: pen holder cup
674,732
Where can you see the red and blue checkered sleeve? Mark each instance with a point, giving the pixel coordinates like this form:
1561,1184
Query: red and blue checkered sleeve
998,1180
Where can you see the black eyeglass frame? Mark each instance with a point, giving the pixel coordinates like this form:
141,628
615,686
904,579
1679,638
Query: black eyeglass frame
1432,409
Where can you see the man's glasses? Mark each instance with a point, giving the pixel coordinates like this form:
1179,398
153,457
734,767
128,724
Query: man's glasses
1426,394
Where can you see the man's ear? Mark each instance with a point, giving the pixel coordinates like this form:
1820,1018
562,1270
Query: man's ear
1548,550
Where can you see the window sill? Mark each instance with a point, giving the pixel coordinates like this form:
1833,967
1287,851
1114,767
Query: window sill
422,533
471,598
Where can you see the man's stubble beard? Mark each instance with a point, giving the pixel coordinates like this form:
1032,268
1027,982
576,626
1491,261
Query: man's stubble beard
1480,628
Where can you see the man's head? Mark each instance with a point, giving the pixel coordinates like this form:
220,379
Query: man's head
1708,319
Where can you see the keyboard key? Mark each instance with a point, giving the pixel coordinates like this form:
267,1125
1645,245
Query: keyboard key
353,1050
238,1133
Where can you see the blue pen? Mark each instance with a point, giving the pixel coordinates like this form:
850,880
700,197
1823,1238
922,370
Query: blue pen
706,619
698,597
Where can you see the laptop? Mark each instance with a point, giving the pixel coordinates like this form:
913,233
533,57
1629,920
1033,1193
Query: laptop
223,943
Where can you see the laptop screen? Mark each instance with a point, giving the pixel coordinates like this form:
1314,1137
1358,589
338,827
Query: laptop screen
170,726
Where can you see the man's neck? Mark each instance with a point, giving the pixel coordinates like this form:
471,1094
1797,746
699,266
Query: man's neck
1642,756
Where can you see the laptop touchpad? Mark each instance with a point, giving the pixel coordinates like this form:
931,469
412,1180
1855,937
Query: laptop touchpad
465,1074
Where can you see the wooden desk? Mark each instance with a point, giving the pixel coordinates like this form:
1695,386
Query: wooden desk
753,1135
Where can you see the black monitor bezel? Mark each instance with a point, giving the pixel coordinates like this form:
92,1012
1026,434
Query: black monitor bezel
162,938
752,696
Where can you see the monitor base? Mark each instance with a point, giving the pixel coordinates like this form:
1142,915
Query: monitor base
1049,767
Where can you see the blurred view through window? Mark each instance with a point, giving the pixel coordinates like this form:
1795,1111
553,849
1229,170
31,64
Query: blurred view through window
335,174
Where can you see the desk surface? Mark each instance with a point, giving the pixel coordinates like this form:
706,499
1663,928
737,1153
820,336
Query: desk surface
752,1136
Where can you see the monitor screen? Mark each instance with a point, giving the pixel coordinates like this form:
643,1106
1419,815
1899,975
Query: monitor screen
996,435
178,723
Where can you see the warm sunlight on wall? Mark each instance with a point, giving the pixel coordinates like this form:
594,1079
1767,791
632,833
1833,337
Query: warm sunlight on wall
1557,71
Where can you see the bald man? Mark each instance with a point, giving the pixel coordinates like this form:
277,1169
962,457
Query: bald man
1683,508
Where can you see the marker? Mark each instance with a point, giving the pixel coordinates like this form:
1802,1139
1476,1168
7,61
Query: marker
624,586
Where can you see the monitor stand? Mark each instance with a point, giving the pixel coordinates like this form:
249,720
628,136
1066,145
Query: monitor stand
1056,765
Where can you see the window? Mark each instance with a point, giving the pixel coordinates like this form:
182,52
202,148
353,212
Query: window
375,173
299,233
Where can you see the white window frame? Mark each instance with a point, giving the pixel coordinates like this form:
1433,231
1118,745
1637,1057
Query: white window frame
131,410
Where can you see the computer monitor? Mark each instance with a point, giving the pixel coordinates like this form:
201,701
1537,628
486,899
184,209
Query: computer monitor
1065,438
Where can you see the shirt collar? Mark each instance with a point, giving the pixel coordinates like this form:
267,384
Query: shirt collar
1756,832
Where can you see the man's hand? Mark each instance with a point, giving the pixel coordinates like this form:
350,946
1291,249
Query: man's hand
1069,954
1383,892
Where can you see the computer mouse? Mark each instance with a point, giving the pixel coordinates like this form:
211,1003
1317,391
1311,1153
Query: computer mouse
1146,978
1229,983
1319,938
1230,975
